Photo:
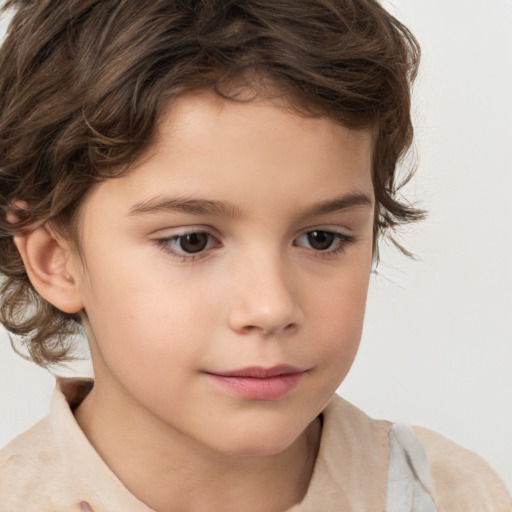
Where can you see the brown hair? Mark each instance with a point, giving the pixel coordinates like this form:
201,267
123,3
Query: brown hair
82,83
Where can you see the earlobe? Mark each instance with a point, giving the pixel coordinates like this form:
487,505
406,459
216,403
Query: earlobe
47,259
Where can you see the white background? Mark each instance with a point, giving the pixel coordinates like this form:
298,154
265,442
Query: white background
437,346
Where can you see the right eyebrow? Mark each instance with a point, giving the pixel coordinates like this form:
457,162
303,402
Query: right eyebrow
185,205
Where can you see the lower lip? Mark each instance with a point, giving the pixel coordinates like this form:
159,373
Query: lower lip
252,388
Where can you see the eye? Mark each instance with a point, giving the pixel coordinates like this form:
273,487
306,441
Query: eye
188,245
327,242
191,243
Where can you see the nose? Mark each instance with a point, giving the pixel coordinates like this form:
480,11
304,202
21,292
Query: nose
266,299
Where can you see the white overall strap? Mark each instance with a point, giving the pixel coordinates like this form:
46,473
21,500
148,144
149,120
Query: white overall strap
408,473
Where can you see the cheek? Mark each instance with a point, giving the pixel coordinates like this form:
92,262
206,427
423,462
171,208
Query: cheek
339,310
140,318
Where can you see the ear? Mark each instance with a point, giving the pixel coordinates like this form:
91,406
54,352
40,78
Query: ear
49,262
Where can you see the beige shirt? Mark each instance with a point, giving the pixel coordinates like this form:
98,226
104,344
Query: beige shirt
53,467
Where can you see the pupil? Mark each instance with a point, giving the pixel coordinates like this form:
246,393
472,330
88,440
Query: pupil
194,242
320,240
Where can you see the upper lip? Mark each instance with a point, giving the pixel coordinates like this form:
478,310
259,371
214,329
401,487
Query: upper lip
261,372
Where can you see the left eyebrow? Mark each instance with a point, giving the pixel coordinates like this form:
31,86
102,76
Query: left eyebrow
339,203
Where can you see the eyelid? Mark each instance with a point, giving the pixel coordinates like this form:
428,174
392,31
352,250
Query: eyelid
164,242
344,240
328,228
182,230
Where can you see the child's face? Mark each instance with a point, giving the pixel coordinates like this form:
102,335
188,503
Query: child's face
279,211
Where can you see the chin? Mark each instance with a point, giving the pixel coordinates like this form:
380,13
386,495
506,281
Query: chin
259,442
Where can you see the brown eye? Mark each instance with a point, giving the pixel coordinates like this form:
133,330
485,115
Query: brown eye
324,243
193,242
190,246
321,240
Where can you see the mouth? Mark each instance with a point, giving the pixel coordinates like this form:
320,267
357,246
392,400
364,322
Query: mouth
259,383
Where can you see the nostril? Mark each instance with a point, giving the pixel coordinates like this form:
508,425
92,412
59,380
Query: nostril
269,331
291,327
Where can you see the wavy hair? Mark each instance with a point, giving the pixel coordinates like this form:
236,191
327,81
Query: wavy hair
82,83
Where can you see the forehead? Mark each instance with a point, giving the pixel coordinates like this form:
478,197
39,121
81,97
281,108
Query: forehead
204,124
211,147
202,111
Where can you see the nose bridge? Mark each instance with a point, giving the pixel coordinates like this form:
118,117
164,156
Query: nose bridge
266,299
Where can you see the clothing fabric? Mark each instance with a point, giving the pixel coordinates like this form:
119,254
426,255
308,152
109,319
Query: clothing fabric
408,473
362,465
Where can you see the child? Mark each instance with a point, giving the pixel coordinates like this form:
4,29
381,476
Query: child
201,187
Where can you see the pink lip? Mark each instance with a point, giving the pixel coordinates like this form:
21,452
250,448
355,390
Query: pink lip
258,383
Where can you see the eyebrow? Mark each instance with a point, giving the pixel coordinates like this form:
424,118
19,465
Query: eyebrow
185,205
222,209
339,203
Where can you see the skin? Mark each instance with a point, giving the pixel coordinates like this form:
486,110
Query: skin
259,294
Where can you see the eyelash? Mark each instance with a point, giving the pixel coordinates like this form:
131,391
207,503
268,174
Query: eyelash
165,245
341,241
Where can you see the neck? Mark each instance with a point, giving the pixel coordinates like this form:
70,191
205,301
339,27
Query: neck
164,468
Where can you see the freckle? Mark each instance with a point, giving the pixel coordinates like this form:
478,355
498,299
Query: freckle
85,507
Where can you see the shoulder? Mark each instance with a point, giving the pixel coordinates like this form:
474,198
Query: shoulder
35,473
53,467
23,464
460,479
33,445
